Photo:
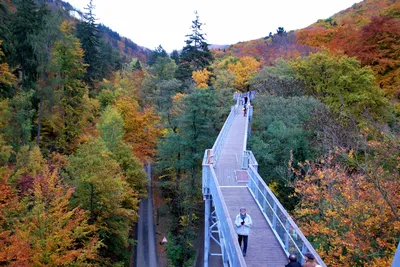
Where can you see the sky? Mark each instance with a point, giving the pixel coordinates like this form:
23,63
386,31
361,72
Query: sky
150,23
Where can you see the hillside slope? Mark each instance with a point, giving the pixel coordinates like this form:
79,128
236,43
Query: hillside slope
126,47
369,31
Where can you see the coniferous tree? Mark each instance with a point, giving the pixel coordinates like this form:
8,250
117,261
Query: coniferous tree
175,56
68,59
26,24
5,32
43,43
195,55
180,155
109,59
87,31
158,52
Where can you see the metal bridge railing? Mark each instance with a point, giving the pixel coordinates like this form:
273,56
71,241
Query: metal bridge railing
285,229
216,149
231,252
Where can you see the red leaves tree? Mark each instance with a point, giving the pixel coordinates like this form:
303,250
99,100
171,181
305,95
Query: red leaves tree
378,46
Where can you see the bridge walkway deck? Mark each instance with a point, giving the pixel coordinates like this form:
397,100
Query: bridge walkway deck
263,248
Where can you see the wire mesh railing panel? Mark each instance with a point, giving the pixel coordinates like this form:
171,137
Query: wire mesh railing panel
287,232
225,225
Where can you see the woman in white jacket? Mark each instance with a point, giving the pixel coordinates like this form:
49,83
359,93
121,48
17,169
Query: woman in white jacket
243,223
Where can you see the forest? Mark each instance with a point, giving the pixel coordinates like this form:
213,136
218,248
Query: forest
82,110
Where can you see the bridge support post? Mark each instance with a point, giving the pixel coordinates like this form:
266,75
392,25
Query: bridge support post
245,160
207,215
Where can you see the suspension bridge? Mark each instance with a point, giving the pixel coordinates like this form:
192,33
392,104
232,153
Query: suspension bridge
231,180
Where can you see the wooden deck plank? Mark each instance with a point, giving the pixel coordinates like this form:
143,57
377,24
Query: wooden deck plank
230,157
263,248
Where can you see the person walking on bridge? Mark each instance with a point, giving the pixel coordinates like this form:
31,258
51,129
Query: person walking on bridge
293,261
243,223
310,260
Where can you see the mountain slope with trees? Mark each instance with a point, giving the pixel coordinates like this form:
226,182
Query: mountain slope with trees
78,122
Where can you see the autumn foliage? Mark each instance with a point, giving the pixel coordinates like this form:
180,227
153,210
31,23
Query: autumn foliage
369,31
49,233
351,213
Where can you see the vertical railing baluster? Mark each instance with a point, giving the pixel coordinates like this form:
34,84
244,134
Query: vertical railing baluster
274,217
287,234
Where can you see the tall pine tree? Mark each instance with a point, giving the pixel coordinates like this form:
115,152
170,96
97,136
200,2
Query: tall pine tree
195,55
26,24
87,31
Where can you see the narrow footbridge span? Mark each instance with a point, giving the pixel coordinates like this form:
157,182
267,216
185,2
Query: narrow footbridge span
230,181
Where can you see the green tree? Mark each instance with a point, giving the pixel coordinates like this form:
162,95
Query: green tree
155,54
20,121
26,24
160,85
109,58
43,43
29,162
278,80
101,188
342,84
69,66
195,55
5,27
179,160
281,135
175,56
111,129
88,33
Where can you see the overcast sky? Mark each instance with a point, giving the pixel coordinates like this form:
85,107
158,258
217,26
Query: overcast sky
150,23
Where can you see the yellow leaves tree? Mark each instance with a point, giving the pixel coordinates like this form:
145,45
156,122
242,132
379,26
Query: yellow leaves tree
30,162
141,127
6,77
201,78
243,70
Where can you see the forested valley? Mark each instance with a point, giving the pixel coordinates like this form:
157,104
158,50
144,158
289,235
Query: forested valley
82,110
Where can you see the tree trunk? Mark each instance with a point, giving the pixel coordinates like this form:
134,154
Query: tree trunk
43,77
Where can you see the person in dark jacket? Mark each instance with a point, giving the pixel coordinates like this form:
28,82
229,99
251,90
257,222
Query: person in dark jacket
293,261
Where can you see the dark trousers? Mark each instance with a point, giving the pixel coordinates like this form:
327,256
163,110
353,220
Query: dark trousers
245,239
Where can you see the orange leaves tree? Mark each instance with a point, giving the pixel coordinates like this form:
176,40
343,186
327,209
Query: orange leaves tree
49,232
350,205
141,131
140,123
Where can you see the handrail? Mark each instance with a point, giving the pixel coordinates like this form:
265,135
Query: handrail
225,225
285,229
216,149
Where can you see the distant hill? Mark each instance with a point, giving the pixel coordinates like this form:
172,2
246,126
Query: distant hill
368,30
127,48
215,46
